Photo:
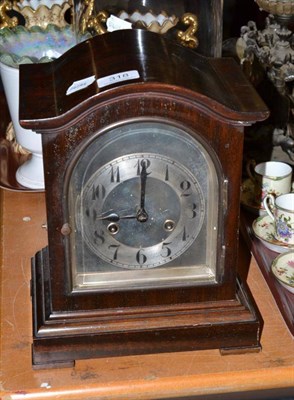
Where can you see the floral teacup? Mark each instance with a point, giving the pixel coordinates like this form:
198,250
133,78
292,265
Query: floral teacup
270,177
281,210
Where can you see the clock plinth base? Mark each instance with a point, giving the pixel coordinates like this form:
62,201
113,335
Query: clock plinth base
61,338
53,365
240,350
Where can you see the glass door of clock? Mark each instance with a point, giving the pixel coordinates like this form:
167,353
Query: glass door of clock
143,204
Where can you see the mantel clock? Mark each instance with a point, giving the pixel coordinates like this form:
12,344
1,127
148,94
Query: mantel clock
142,145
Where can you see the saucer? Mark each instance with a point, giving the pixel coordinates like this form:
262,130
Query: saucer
247,198
283,269
264,229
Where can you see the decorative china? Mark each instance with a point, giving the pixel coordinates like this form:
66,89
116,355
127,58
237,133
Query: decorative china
35,13
281,211
277,7
11,160
35,4
248,199
264,229
22,46
44,16
273,177
283,270
160,23
30,174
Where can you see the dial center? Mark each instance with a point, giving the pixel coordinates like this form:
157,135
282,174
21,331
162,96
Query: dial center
161,202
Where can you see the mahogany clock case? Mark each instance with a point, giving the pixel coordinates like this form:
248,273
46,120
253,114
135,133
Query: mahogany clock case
208,98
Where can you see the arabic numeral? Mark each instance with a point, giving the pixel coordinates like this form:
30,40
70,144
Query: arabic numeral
115,247
141,164
166,251
193,212
98,192
99,238
114,174
90,213
185,187
141,257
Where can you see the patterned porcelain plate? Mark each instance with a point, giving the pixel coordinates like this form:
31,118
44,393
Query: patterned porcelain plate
264,229
283,269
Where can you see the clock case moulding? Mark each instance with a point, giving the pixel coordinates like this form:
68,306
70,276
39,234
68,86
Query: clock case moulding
209,96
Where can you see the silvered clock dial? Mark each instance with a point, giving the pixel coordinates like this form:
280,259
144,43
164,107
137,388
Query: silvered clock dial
141,210
140,196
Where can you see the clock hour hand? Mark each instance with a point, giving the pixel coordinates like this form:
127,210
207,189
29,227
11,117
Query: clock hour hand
142,215
114,217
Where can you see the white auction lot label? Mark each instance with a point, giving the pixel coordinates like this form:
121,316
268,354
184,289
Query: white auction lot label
81,84
104,81
116,78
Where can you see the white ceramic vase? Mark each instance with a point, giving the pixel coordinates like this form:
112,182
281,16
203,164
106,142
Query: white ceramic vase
31,173
20,45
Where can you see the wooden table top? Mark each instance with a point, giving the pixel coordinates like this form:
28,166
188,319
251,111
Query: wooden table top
200,374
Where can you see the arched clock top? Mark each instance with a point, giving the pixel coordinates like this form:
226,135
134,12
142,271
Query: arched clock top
133,62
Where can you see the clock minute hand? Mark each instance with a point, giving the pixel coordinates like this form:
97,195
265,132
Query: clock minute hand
142,215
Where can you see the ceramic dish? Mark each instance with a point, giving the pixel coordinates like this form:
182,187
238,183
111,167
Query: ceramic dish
247,198
44,16
281,7
264,229
20,45
283,270
34,4
160,23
